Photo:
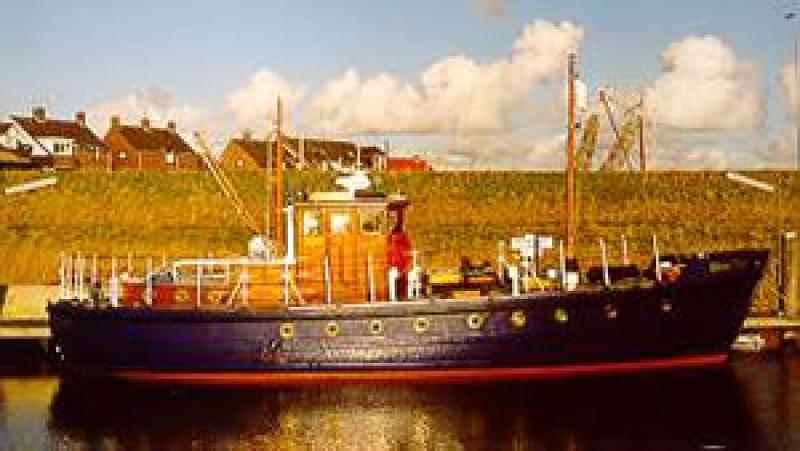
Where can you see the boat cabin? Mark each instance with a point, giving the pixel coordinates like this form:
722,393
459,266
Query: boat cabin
341,247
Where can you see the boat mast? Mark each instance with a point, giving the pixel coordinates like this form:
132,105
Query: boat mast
570,195
277,191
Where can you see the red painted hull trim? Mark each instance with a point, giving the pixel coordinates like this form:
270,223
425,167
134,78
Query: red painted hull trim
428,375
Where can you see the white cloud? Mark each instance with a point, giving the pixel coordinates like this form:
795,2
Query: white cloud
254,104
706,86
455,93
153,102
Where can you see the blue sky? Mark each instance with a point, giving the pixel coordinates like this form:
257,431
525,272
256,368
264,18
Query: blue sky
71,55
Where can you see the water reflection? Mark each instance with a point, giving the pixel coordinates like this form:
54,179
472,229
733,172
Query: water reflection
751,405
688,410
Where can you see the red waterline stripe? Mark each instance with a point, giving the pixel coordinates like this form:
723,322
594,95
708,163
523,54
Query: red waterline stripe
452,375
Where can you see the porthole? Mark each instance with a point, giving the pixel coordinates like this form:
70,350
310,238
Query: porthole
287,331
666,305
421,324
518,319
376,327
561,315
332,329
611,311
475,321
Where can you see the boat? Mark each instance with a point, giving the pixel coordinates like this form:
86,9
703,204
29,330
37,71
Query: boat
334,291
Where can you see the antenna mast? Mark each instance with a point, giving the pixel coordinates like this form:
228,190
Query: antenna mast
277,191
570,195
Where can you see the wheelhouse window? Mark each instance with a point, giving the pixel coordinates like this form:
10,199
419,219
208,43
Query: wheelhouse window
312,223
340,222
373,221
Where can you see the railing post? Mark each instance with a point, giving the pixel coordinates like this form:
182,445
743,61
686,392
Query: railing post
604,256
513,274
198,282
81,264
562,262
113,284
370,278
625,260
244,283
285,281
62,285
394,273
326,268
148,290
657,258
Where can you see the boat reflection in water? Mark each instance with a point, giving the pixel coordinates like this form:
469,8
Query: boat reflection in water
686,410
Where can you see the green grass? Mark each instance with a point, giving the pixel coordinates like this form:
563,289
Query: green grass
452,214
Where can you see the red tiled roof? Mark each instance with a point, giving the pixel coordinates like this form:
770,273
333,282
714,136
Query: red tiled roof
48,128
315,151
154,139
407,164
4,126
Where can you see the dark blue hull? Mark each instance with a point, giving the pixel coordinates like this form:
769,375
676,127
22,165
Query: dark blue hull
688,321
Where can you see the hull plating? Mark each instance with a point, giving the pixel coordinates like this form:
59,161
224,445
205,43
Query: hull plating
538,335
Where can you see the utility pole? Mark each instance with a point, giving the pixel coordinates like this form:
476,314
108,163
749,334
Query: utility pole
570,195
642,145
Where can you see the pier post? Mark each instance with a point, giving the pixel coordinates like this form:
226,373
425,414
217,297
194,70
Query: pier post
80,264
790,275
62,276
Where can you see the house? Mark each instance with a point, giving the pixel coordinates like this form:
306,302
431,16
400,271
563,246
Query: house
56,143
403,164
146,147
301,153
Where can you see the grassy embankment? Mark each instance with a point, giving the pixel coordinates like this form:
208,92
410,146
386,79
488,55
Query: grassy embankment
453,214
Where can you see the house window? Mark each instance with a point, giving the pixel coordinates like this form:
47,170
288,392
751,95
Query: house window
123,156
170,157
239,163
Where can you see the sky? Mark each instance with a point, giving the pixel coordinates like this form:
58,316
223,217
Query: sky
465,83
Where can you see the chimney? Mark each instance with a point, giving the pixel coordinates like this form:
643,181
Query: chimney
146,124
171,126
80,118
115,121
39,114
247,135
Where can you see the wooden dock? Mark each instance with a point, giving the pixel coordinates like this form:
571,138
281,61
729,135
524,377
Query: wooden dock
22,312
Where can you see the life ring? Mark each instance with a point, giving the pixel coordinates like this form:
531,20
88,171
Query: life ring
476,321
518,319
421,324
561,315
287,331
376,327
332,329
181,296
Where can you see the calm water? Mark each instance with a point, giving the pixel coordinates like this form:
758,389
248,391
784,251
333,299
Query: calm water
753,404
